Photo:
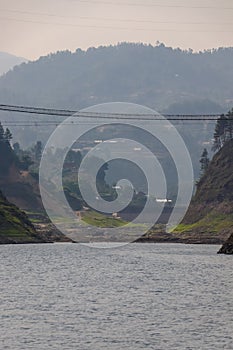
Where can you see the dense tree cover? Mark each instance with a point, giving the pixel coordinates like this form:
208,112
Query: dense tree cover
14,155
195,106
7,155
204,161
222,134
156,76
223,130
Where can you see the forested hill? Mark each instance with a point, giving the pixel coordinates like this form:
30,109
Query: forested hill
156,76
210,216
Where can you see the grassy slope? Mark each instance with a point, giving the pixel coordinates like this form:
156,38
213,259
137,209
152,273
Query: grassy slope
210,215
14,225
96,219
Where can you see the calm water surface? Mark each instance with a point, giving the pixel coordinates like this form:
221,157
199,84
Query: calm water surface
141,296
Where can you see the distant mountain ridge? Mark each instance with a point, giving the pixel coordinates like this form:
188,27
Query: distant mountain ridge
8,61
156,76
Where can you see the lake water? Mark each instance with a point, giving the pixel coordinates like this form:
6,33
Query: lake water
140,296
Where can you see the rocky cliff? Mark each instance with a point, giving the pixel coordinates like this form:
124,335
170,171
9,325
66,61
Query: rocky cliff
227,247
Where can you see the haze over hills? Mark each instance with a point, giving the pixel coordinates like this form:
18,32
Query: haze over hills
166,79
156,76
8,61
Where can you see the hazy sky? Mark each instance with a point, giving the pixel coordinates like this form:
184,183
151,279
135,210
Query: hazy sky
31,28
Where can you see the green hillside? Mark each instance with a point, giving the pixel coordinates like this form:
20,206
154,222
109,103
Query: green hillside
15,226
210,216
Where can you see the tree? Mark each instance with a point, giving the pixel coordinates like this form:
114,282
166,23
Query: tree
74,157
230,125
220,132
26,162
204,161
7,135
38,151
1,132
223,130
16,148
7,155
